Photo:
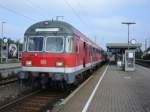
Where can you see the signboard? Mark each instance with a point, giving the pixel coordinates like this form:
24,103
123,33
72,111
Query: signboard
12,51
131,55
129,60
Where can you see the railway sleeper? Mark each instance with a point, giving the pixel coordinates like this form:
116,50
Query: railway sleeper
28,108
43,97
37,101
25,110
33,105
21,109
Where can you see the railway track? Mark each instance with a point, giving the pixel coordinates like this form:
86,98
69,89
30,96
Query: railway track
37,101
142,62
8,81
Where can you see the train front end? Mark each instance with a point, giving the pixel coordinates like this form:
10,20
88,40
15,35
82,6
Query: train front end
47,52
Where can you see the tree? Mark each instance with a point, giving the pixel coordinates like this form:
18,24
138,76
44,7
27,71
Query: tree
138,53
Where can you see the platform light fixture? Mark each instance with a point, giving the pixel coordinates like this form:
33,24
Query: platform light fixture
128,24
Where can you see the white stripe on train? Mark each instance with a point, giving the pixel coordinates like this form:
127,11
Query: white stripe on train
58,69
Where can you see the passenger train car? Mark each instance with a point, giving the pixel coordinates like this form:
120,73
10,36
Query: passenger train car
58,51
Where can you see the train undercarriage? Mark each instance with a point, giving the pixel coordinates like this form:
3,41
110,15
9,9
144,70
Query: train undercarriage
51,80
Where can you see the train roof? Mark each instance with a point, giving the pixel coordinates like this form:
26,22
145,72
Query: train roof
64,27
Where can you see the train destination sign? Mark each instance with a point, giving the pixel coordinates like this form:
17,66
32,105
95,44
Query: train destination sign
46,29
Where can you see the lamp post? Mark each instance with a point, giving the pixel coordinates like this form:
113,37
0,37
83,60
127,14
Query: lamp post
2,33
128,24
5,40
18,42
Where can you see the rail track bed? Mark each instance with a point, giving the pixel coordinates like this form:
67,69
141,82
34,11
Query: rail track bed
40,101
142,62
8,81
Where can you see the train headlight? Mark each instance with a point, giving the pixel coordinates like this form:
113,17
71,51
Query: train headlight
28,63
59,63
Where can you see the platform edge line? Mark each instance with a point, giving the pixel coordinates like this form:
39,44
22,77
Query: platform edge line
76,90
94,91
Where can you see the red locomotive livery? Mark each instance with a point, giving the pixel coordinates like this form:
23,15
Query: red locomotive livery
58,51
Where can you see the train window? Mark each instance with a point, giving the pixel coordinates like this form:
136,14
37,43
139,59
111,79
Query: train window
76,46
35,43
91,51
55,44
69,45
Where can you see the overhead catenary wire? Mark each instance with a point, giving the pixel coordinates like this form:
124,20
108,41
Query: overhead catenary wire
35,4
17,13
82,7
35,7
75,13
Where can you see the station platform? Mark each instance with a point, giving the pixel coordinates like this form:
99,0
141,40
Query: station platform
10,65
113,90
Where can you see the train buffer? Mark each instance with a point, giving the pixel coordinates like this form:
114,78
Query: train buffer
112,90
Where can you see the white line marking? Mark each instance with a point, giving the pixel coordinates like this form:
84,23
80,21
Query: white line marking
94,91
73,93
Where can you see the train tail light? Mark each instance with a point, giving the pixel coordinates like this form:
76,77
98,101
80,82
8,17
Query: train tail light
59,63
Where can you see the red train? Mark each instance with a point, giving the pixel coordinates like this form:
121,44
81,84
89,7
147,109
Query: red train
57,50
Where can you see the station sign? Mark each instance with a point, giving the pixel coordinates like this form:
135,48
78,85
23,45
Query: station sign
12,51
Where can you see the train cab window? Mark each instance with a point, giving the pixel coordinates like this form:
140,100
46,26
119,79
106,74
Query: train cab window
24,45
55,44
69,45
35,44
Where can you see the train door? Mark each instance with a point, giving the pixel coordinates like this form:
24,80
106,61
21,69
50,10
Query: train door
76,51
91,54
84,54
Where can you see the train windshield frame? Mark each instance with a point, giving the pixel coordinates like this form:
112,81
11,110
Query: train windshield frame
69,44
35,44
54,44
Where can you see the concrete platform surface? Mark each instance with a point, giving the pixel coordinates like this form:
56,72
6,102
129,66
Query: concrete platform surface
10,65
118,91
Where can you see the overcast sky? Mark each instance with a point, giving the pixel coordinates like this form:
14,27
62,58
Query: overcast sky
95,18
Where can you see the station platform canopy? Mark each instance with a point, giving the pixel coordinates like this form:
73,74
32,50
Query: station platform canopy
121,47
117,50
